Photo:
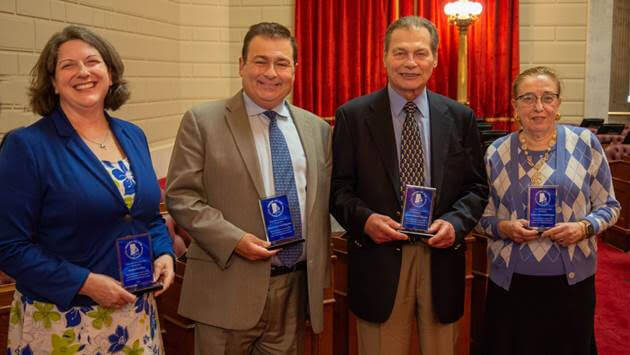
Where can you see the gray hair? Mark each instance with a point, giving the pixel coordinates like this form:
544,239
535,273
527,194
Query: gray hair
411,22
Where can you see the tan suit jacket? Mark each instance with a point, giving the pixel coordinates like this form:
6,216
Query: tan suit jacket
213,191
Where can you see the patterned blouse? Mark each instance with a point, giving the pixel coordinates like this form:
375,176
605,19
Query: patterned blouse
578,166
123,179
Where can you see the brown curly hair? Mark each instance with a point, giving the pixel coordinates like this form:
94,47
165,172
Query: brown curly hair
44,100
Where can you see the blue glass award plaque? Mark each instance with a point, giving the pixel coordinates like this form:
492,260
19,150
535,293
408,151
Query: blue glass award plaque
417,212
135,263
541,206
277,220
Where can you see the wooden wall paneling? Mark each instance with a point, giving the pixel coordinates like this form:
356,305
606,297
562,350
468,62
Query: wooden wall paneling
622,194
463,344
6,297
619,234
478,292
179,332
323,343
620,169
617,237
344,332
345,335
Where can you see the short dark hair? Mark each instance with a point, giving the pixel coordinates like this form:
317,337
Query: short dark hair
535,71
271,30
43,98
410,22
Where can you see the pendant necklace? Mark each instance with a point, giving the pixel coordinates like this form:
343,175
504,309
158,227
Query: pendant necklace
537,177
101,144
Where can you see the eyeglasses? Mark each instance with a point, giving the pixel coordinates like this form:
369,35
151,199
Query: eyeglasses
530,99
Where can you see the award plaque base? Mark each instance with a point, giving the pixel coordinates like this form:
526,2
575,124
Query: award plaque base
285,242
416,235
140,289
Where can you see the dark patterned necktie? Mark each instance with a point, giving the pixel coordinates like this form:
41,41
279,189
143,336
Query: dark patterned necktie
411,152
284,182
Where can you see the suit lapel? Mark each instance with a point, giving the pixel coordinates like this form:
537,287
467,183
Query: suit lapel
441,126
304,127
238,122
77,147
382,132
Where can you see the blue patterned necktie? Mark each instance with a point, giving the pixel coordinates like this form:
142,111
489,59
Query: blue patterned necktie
284,182
411,152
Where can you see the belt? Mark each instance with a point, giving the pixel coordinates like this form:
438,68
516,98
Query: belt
416,238
281,270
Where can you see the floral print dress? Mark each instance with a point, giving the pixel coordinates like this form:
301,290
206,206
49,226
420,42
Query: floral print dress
40,328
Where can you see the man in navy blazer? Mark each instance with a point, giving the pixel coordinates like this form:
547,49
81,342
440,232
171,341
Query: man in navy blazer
392,278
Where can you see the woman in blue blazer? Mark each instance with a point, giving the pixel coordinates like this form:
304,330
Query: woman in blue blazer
71,185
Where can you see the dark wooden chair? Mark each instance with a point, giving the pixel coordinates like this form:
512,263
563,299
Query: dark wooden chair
619,234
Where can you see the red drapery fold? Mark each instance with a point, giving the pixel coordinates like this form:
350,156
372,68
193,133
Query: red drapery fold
341,52
493,52
493,57
405,8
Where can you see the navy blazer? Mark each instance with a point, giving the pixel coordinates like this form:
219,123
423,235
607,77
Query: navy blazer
61,213
366,180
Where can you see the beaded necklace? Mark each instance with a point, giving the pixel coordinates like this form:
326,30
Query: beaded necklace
537,177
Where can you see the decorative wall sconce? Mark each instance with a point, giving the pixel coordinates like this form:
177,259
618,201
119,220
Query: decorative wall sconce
462,13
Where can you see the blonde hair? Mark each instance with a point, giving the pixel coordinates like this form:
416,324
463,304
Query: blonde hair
535,71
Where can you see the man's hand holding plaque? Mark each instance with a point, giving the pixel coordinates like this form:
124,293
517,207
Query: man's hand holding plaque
279,227
135,263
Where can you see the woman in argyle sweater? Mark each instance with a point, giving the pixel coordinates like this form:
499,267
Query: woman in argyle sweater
541,294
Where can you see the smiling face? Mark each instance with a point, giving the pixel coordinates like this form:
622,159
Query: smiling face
409,61
81,77
537,117
268,71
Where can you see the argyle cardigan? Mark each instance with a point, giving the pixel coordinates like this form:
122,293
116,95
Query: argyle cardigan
585,191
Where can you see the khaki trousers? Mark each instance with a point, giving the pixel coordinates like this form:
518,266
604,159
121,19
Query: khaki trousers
413,299
279,331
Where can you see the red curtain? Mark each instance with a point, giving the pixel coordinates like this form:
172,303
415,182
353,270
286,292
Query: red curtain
493,57
405,8
493,52
341,52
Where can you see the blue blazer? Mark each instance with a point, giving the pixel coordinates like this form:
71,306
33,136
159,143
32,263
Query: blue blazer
61,213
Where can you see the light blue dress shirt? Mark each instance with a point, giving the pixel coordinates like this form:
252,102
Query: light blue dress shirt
259,124
423,118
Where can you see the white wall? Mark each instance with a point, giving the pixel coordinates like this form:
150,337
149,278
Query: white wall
553,33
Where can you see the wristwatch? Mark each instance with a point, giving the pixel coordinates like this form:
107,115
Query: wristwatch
588,228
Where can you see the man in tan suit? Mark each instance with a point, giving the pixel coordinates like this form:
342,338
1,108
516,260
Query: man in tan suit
228,155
